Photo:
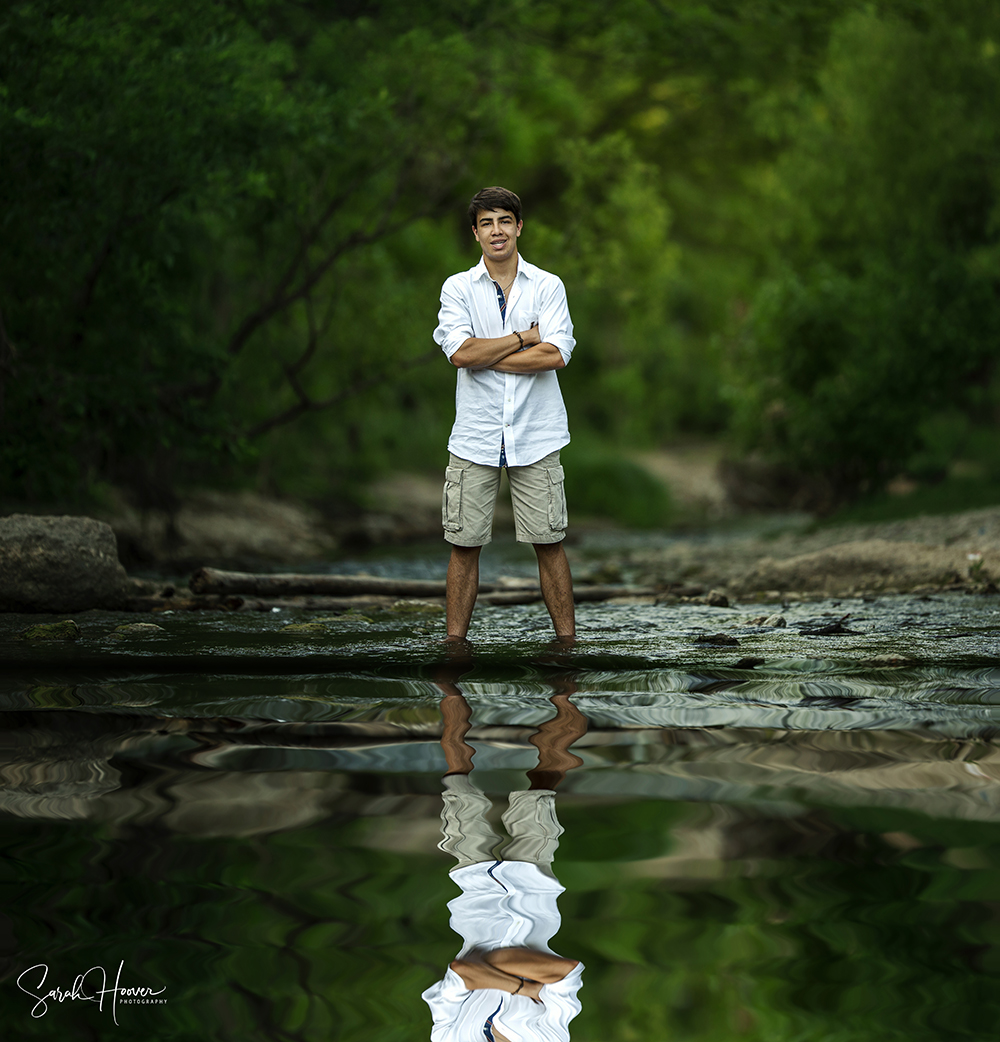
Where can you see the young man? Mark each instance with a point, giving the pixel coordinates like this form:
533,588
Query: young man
505,325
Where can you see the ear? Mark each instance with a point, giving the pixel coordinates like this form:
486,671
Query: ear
520,225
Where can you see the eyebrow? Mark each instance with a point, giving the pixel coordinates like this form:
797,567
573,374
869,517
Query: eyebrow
489,220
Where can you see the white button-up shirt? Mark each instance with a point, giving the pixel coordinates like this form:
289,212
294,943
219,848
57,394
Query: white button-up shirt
524,410
504,904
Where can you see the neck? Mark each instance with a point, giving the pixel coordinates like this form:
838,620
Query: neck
504,271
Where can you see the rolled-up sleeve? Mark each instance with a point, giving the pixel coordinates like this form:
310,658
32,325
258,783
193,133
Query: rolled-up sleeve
454,319
554,324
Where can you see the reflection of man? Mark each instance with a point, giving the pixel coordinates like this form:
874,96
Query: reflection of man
505,325
507,985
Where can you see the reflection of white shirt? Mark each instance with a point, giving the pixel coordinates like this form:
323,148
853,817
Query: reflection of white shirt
504,904
525,409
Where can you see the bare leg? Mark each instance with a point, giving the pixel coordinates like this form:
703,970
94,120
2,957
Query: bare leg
557,587
553,739
461,590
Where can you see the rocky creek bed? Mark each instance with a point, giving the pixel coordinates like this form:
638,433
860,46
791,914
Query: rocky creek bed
885,632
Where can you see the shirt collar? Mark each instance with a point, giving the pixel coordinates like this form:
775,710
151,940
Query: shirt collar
480,271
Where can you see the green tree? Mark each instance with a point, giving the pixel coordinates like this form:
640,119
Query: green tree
187,190
882,303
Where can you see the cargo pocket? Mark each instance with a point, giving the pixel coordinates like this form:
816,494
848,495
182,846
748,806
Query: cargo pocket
451,500
557,499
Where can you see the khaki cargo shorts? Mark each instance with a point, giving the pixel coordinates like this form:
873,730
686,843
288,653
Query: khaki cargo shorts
536,491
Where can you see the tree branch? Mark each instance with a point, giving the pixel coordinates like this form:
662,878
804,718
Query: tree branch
283,295
306,404
86,296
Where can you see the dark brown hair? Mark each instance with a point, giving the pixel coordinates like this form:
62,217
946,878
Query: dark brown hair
495,198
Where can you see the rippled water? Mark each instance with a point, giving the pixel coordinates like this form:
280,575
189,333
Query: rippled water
247,821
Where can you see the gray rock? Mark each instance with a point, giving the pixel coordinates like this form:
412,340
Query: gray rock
57,564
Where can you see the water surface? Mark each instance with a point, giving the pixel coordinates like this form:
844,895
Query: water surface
248,819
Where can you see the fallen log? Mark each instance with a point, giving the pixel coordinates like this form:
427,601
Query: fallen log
605,593
209,602
510,597
247,591
580,594
213,580
334,604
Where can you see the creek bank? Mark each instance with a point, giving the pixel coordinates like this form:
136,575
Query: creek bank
921,555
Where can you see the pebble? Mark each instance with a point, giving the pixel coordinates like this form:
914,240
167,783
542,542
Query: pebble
776,621
887,660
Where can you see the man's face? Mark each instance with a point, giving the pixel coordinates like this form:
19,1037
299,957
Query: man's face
497,231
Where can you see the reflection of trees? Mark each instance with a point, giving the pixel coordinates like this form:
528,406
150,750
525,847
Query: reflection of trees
853,923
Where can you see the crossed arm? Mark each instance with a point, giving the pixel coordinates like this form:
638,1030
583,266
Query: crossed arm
504,968
504,353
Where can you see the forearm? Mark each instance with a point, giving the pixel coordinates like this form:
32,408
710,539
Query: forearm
542,358
478,975
526,962
483,352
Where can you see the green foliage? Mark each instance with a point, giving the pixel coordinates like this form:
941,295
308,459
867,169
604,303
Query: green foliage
604,483
226,227
883,307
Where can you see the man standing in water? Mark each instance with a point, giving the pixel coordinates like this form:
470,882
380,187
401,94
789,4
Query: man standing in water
505,325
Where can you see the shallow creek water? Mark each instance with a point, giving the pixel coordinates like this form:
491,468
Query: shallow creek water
245,821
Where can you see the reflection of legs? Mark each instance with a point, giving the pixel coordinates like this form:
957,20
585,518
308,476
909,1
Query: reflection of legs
553,739
534,829
531,816
467,835
456,716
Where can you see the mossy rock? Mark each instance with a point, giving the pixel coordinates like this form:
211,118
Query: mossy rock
304,628
65,630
